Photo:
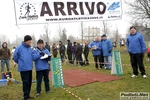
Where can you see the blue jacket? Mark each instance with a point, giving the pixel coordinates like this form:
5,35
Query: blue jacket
135,43
41,64
106,47
23,56
98,45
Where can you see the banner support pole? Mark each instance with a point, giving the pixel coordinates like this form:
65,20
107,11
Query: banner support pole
15,14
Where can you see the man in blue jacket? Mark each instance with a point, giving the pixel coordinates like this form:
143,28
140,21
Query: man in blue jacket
136,48
23,57
95,46
107,51
42,66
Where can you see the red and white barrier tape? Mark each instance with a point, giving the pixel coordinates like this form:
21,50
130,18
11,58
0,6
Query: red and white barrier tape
72,93
109,63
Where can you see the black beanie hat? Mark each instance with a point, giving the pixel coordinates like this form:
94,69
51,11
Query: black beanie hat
104,35
27,38
40,41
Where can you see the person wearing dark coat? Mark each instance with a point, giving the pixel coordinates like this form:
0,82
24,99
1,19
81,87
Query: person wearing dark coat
79,54
54,50
5,57
62,49
86,53
73,50
47,46
102,57
69,52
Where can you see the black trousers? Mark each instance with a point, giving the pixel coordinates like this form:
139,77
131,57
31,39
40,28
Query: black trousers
39,77
70,58
97,59
86,58
102,61
26,77
137,61
62,56
79,59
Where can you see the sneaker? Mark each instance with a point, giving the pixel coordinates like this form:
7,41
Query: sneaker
106,68
37,94
133,76
144,76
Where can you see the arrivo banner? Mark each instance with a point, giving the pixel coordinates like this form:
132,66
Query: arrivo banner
48,11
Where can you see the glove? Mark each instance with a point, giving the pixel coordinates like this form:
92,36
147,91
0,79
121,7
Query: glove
42,53
109,51
49,57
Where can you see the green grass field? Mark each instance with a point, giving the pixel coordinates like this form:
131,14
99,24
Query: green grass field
94,91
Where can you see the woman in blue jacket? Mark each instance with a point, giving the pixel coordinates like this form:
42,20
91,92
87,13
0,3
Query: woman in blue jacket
42,66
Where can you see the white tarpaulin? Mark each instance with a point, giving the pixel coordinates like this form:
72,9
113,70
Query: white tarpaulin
48,11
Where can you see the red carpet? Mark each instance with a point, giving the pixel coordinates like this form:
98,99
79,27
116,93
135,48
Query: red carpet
72,80
75,77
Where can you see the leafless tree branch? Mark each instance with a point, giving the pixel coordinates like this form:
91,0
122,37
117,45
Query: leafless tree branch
139,10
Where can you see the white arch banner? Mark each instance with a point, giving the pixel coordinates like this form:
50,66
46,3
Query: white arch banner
48,11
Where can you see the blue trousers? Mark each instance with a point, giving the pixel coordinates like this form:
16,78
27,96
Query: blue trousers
3,62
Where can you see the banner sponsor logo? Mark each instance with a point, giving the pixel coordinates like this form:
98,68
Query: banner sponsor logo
114,16
116,63
114,6
28,12
38,11
57,73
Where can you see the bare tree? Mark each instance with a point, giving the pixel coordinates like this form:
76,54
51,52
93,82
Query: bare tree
81,31
3,38
105,27
55,40
116,35
46,34
71,38
34,41
139,10
18,40
58,33
64,36
139,26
